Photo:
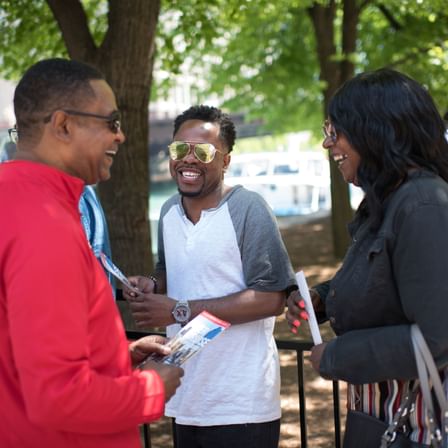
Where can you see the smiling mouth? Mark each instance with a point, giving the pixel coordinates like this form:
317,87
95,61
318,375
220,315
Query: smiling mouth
190,175
111,154
340,159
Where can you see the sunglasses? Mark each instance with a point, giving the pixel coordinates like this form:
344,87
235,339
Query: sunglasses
112,120
329,131
204,152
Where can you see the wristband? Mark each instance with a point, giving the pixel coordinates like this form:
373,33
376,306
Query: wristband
151,277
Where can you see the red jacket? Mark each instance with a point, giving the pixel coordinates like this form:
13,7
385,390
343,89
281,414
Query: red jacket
65,373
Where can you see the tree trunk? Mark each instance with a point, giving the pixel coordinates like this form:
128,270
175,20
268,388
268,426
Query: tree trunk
334,73
126,58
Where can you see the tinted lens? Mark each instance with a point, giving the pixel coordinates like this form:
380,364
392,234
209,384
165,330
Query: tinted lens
178,150
204,152
114,125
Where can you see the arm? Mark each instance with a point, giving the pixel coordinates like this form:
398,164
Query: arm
154,310
68,373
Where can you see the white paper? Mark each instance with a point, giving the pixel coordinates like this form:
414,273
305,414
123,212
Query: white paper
115,271
191,339
305,293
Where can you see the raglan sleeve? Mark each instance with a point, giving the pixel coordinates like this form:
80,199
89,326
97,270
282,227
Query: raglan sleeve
265,260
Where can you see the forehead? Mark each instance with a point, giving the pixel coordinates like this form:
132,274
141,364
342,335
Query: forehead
104,97
199,131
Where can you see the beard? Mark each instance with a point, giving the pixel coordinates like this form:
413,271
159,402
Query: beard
189,194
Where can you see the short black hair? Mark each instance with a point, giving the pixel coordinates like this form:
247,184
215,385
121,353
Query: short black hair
49,85
393,123
227,132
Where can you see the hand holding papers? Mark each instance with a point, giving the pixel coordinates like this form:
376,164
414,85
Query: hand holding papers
115,271
191,339
305,293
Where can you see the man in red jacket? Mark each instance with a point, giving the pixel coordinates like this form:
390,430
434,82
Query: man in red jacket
66,368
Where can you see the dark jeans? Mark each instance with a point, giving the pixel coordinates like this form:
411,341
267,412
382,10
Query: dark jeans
251,435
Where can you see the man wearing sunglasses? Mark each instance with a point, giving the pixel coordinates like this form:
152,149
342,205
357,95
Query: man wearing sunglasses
220,250
66,377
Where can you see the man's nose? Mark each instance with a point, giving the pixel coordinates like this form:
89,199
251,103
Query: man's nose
190,154
120,137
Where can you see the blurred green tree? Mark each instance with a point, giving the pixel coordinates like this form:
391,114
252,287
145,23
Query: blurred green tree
282,61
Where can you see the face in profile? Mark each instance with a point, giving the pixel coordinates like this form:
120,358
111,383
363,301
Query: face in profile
96,136
342,152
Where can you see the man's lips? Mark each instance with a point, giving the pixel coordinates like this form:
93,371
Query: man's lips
189,173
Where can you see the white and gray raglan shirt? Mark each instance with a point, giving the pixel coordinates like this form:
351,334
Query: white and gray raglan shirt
236,246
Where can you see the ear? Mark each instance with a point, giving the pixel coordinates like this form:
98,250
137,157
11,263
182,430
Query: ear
227,157
61,126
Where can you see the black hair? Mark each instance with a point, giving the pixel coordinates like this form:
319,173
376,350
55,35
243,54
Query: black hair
394,125
49,85
210,114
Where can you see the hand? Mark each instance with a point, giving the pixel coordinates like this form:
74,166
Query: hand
170,375
143,347
316,355
143,284
296,311
151,310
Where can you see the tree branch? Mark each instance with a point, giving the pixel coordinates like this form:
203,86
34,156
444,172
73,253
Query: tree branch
72,21
390,18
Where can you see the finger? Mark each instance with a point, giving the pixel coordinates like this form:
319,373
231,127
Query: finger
143,323
138,306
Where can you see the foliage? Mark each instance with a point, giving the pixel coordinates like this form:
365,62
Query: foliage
28,33
261,55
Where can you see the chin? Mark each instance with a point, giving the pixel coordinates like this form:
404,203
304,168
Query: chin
189,194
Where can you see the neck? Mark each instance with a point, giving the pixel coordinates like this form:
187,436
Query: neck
194,206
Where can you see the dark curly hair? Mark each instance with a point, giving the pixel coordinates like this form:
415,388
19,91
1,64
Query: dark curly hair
210,114
49,85
394,125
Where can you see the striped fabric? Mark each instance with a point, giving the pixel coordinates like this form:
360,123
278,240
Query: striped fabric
381,400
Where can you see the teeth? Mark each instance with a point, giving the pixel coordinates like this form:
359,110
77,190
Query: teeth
111,153
339,158
190,174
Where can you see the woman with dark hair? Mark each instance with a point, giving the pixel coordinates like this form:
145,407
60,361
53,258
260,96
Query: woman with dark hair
386,136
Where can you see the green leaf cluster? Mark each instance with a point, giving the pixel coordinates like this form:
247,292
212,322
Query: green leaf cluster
261,56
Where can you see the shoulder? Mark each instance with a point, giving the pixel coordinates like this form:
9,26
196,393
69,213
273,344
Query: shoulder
169,203
245,198
424,194
421,189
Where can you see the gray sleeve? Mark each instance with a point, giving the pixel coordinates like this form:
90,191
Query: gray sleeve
160,264
265,261
420,265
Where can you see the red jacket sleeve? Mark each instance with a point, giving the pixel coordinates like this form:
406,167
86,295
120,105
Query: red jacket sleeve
68,343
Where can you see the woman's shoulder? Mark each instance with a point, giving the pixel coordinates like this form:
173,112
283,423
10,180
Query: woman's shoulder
423,187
